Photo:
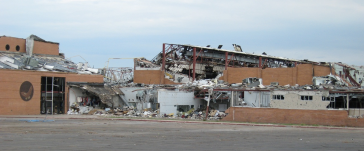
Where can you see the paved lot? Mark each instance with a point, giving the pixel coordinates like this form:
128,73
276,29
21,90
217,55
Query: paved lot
102,134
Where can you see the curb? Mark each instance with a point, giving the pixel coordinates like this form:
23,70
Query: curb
193,122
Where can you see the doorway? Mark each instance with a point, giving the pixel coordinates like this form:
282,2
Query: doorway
52,95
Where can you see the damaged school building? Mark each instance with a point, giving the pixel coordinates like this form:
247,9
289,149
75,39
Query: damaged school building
182,81
254,87
34,76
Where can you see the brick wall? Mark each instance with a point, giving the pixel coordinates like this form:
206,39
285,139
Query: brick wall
236,75
46,48
292,116
38,48
11,80
12,42
151,77
148,76
282,75
321,70
302,74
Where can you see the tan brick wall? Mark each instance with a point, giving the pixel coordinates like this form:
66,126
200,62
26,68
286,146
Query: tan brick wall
282,75
151,77
39,47
236,75
292,116
12,42
45,48
11,80
302,74
321,70
223,77
148,76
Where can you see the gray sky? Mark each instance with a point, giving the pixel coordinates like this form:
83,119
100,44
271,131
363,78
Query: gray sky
324,30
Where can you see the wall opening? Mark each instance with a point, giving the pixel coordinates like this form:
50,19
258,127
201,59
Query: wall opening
7,47
17,47
52,95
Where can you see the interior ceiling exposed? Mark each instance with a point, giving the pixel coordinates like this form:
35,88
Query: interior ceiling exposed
207,62
178,53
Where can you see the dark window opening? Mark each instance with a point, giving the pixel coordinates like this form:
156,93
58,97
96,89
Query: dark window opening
306,97
17,48
7,47
278,97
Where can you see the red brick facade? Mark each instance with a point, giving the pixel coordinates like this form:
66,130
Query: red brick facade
11,80
38,48
292,116
302,74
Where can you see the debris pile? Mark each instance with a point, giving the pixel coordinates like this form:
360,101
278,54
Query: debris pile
43,63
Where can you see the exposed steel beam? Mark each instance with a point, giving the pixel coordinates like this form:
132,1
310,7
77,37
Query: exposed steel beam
194,65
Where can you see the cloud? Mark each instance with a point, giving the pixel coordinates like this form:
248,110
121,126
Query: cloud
280,27
81,18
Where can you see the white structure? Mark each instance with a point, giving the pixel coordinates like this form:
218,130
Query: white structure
177,101
257,98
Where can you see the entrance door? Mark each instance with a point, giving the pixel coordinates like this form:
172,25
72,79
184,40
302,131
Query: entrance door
52,95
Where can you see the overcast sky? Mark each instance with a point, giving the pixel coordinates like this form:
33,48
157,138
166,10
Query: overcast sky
318,30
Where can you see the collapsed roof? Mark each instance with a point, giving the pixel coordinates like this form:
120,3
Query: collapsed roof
41,62
36,62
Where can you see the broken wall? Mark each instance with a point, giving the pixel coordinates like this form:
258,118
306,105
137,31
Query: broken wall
236,75
11,80
220,105
169,100
151,77
292,116
257,98
73,94
321,70
130,95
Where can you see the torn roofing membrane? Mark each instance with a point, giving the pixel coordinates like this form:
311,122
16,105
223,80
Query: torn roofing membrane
22,61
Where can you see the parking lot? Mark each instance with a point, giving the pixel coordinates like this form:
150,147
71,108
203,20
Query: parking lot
114,134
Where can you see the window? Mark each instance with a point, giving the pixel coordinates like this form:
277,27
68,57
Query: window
7,47
306,97
183,108
331,99
17,47
278,97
